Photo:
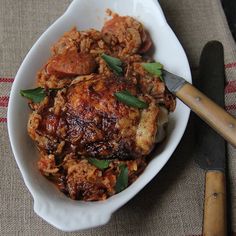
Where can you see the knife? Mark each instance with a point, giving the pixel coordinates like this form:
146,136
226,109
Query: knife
214,115
211,148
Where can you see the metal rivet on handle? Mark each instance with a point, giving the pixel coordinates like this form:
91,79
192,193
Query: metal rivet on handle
198,99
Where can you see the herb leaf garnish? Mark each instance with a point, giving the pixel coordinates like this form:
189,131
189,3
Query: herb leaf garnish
154,68
100,164
36,95
113,63
127,98
122,179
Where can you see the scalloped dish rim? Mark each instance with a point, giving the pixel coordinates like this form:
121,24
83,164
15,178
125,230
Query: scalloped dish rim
51,205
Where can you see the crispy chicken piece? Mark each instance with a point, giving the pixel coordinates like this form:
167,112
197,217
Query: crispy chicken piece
94,123
102,127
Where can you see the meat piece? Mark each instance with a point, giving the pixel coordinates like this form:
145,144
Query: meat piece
84,182
102,127
169,101
95,118
88,117
146,42
71,64
49,124
128,34
154,86
149,84
147,127
67,42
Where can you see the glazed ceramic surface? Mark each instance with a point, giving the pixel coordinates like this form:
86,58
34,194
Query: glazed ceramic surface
50,204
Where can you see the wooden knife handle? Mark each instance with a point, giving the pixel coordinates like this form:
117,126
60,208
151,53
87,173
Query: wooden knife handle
214,223
215,116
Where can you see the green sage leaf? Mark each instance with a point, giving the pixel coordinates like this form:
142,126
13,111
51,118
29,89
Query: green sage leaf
113,63
154,68
100,164
127,98
36,95
122,179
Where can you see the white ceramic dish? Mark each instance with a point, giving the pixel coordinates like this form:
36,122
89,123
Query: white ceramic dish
49,203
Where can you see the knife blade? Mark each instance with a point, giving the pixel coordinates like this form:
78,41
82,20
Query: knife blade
211,153
205,108
211,81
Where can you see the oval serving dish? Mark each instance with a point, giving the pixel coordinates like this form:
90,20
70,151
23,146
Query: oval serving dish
49,203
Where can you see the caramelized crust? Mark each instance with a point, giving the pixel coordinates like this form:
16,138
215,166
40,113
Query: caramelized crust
98,124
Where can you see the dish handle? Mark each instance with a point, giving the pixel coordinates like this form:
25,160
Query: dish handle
71,217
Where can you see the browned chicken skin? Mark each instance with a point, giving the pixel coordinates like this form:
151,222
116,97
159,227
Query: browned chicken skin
80,118
96,124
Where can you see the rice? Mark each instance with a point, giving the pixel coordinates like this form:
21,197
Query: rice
126,132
